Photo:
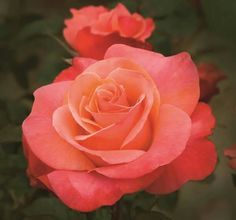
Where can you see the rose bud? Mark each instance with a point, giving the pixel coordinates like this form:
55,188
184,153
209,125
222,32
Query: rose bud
129,122
92,29
209,75
231,154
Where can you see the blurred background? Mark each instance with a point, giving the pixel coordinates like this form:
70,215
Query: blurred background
32,53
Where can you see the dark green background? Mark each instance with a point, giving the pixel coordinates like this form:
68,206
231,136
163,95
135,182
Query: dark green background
31,55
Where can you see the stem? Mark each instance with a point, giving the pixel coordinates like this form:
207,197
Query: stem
115,212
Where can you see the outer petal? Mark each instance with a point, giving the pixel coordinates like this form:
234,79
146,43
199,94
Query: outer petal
176,76
79,64
41,137
197,162
171,136
203,121
95,46
88,191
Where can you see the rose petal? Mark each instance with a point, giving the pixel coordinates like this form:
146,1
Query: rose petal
79,64
133,82
172,133
129,26
105,67
149,28
230,152
81,18
84,191
67,128
41,137
176,76
82,87
203,121
196,163
102,43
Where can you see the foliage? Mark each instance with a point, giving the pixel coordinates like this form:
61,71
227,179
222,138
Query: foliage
31,55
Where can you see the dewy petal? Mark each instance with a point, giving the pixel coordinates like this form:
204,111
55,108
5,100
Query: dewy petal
41,137
79,64
196,163
171,136
176,76
85,191
67,128
203,121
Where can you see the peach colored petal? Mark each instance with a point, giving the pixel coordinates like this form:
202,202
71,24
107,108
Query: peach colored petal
104,67
171,136
176,76
65,126
135,84
107,138
83,85
41,137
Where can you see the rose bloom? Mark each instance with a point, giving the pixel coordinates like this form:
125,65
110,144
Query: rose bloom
209,75
93,29
127,123
231,154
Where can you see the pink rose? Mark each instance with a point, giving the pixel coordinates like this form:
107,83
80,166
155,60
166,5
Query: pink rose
129,122
93,29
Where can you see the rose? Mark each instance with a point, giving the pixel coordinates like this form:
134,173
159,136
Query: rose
127,123
231,154
93,29
209,76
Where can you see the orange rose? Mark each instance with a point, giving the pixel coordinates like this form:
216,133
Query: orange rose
93,29
127,123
